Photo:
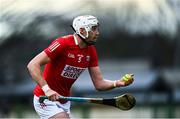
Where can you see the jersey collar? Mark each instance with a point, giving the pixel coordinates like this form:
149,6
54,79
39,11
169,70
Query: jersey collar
75,39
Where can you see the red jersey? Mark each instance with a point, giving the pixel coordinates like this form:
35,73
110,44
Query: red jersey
68,61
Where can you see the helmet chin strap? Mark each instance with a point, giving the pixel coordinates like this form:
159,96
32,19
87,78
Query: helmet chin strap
87,42
83,38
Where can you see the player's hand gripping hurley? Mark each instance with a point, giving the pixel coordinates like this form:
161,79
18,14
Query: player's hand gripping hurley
123,102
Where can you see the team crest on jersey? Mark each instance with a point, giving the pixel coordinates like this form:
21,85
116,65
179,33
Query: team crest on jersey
88,58
53,46
72,72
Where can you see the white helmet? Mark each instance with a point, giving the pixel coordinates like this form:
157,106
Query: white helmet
85,21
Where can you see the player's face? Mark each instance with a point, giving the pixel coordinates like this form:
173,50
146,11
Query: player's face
93,34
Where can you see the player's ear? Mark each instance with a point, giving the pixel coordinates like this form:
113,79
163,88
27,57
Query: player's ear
82,31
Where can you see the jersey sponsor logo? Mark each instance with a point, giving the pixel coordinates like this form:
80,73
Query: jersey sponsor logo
53,46
72,72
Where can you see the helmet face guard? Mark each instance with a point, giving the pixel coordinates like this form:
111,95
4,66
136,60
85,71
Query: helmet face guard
86,22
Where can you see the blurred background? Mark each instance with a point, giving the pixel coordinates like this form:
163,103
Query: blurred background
136,36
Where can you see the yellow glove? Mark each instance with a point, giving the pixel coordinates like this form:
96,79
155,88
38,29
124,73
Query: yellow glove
128,79
124,81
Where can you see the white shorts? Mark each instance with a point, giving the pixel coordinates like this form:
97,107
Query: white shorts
50,108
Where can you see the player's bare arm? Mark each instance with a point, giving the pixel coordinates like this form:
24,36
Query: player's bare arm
104,84
34,68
